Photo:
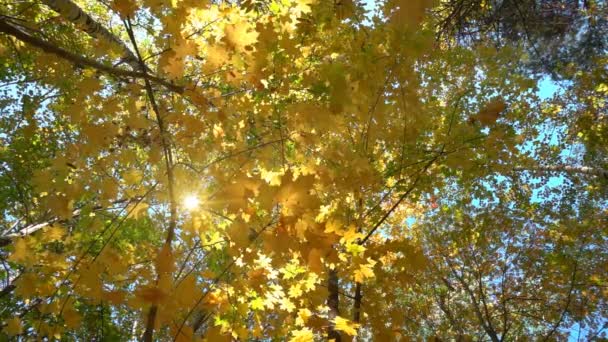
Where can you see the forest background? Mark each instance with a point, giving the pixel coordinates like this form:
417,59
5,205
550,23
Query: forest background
303,170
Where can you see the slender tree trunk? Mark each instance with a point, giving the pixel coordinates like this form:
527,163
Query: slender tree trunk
168,156
333,302
358,286
357,304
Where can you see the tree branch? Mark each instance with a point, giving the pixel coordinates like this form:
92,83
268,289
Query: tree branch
566,169
31,229
401,198
47,47
567,307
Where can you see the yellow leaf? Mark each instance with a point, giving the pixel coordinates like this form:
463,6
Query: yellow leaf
314,260
26,285
152,295
55,233
218,131
303,315
287,305
257,304
334,226
126,8
240,36
490,112
114,297
173,66
302,335
271,177
71,318
295,291
350,235
136,210
342,324
215,334
13,326
132,177
187,290
216,57
20,253
365,271
164,260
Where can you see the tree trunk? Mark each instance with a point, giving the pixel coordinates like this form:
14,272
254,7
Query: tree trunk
357,304
74,14
333,302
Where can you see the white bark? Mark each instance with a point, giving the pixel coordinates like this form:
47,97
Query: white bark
74,14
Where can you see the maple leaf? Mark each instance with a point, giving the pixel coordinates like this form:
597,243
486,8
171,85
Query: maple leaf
115,297
342,324
13,327
187,289
490,112
240,35
126,8
72,318
164,260
314,261
303,316
20,253
299,125
257,304
302,335
295,291
350,235
216,334
216,57
132,176
365,271
355,249
287,305
137,210
173,66
55,233
151,294
334,226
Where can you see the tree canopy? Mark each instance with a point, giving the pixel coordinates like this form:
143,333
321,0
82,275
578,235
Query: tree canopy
301,170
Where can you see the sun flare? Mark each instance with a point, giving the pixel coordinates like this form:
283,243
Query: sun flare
191,202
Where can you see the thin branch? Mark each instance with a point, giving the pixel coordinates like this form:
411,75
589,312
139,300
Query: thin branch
567,306
566,169
47,47
216,280
33,228
401,198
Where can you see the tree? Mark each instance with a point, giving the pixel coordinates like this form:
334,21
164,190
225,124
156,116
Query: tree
556,34
293,169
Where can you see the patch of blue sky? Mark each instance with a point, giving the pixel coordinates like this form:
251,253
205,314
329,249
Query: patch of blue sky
547,88
371,6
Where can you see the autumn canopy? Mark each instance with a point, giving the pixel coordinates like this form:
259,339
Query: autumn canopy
303,170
